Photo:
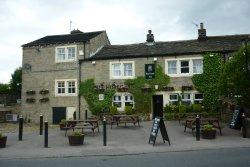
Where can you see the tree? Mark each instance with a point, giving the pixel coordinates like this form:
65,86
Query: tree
16,81
235,78
4,88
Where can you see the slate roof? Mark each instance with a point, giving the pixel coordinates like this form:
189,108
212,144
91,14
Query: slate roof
227,43
63,39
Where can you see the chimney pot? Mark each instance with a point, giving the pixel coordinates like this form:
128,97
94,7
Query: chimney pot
202,32
150,36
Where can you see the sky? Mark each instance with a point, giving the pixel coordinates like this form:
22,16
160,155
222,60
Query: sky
126,21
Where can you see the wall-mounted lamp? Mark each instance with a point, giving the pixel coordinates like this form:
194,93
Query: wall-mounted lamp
93,62
155,58
156,87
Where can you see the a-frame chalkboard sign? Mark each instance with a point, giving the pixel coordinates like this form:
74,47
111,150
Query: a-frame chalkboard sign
158,123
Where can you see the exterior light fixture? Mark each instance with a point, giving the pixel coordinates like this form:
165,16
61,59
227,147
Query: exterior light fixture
93,62
156,87
155,58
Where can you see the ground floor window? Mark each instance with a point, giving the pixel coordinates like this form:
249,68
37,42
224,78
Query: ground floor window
198,97
186,98
173,99
120,100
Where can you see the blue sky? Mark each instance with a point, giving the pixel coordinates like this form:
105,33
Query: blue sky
126,21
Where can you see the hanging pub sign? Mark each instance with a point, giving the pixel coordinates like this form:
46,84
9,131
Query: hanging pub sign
149,71
158,123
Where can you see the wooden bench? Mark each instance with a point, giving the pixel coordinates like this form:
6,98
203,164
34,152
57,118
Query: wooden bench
120,119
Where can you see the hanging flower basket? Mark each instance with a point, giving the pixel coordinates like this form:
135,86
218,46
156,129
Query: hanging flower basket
30,92
122,88
187,88
44,91
30,100
168,88
44,100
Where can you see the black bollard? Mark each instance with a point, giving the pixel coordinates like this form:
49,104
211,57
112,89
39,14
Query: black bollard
46,134
244,134
198,128
20,135
41,124
86,114
104,132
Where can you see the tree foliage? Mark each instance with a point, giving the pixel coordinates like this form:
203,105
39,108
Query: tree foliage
235,77
207,82
4,88
143,99
87,90
16,81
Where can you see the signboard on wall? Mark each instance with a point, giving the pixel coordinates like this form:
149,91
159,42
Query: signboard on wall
149,71
101,97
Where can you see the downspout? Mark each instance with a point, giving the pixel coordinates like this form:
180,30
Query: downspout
79,79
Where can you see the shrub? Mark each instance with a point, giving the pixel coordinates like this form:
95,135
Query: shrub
208,127
169,116
197,107
63,122
77,134
182,109
129,110
1,135
168,109
113,110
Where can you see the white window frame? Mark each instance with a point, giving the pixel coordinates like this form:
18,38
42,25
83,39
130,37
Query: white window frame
188,60
175,100
122,70
197,99
122,95
66,53
187,100
66,86
193,66
178,65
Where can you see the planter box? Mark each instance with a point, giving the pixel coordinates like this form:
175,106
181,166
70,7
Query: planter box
76,140
3,142
208,134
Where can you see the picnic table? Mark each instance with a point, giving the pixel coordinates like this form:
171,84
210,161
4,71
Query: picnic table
91,124
118,119
190,123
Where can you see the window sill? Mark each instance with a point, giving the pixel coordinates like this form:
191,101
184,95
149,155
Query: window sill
132,77
65,95
65,61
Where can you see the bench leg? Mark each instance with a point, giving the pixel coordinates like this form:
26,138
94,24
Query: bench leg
185,127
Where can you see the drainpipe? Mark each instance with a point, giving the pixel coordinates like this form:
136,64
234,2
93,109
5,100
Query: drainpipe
79,81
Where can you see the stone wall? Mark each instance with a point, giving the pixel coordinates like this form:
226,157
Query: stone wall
44,71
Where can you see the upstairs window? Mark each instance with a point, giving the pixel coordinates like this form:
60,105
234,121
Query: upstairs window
122,70
65,53
197,66
184,66
172,67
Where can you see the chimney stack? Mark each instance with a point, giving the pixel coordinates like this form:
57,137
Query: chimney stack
202,32
150,37
75,31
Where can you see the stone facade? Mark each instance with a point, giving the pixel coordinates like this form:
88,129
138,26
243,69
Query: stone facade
45,71
94,56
